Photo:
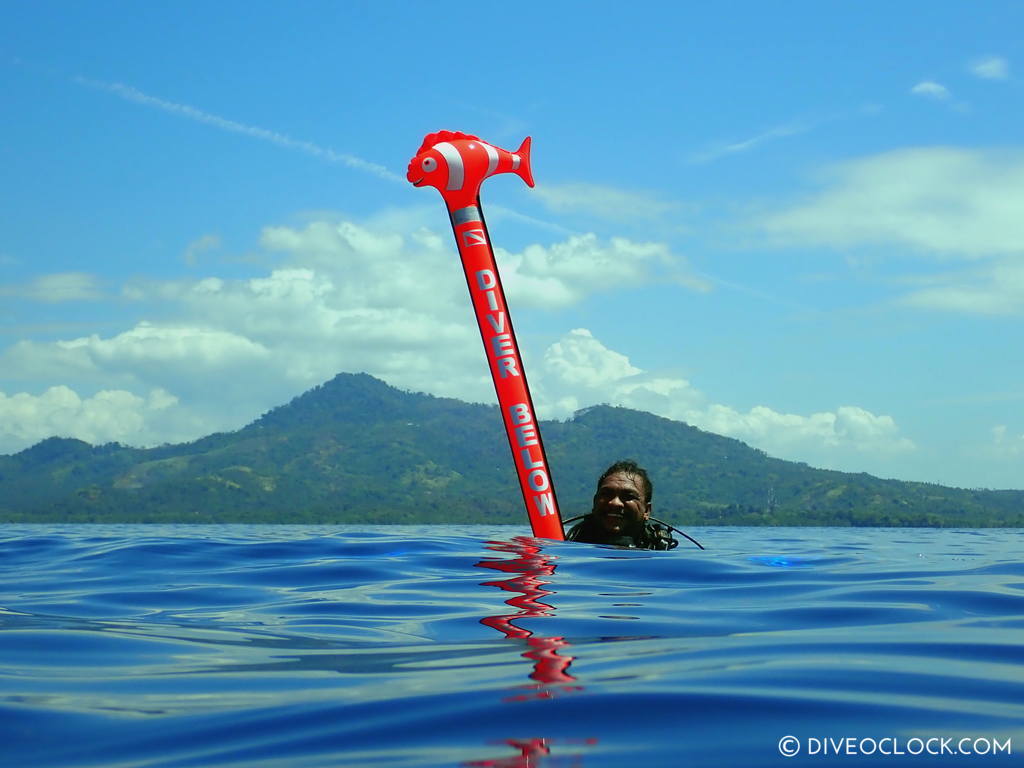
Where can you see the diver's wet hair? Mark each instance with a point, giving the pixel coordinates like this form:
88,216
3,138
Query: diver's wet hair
630,467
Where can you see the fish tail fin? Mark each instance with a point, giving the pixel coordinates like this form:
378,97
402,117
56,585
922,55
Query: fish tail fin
524,171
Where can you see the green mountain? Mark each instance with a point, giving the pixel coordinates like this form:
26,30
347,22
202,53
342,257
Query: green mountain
357,450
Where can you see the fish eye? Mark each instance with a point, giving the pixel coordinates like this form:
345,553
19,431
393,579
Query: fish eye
429,164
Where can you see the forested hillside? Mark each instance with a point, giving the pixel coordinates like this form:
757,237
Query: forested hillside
357,450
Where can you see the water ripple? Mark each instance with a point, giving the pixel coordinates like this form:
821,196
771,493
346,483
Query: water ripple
418,646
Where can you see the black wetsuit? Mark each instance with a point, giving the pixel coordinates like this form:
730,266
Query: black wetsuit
651,536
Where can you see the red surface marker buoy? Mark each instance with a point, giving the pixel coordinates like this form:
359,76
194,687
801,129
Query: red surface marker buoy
456,165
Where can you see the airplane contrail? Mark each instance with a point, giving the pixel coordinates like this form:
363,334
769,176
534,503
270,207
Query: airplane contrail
129,93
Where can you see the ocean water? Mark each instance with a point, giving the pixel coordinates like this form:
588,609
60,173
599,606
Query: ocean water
294,646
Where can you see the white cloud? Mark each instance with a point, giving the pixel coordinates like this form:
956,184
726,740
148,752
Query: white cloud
199,364
380,299
388,270
199,247
579,370
991,68
566,272
1006,444
610,203
996,289
931,90
941,200
345,297
579,359
847,426
57,288
171,345
109,415
846,430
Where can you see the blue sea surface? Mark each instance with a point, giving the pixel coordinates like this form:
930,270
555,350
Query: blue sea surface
275,646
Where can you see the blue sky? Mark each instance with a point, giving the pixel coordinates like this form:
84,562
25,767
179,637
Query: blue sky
797,224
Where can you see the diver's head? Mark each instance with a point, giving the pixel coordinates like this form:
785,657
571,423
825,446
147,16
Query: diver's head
622,502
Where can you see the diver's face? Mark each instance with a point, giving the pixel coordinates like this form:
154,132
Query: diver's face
619,505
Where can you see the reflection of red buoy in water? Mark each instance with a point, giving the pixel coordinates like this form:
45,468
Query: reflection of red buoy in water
549,667
529,749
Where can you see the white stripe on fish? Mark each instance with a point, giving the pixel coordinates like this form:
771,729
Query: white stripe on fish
456,168
492,157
